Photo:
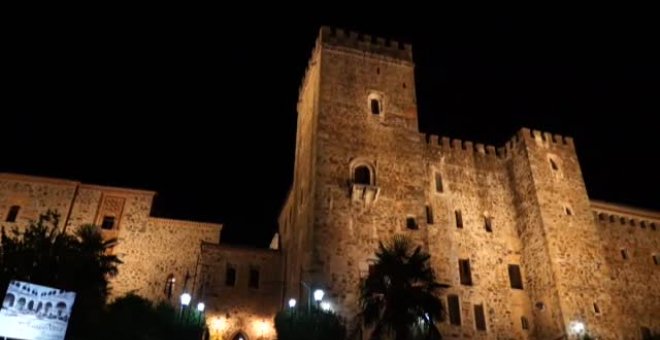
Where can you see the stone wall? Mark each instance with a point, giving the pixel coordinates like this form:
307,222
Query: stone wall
531,190
150,248
239,308
635,298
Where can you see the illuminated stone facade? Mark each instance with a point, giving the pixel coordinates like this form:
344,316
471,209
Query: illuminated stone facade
364,172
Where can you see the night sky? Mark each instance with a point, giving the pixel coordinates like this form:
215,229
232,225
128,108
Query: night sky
203,111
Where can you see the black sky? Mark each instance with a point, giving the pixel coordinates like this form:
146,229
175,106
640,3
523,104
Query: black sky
202,110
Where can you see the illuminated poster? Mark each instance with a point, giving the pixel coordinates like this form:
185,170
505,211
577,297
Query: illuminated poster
34,312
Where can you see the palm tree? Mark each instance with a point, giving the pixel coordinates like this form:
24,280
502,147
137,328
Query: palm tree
399,297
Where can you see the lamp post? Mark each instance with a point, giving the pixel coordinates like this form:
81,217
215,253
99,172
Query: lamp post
318,296
185,301
292,303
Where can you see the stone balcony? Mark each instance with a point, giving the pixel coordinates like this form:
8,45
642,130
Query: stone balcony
364,193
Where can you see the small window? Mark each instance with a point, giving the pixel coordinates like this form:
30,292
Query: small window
254,278
454,310
230,276
459,219
611,218
632,222
465,272
108,223
411,223
169,285
601,217
479,318
646,333
568,211
375,106
624,254
438,183
514,276
653,226
524,323
488,224
642,224
13,213
622,220
429,215
362,175
553,165
540,306
596,308
656,259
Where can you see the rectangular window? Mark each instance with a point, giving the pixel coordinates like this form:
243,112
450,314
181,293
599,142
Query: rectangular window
454,310
459,219
656,261
596,308
438,182
108,222
13,213
429,215
624,254
514,276
488,224
230,276
479,317
254,278
375,107
646,333
465,273
524,323
411,223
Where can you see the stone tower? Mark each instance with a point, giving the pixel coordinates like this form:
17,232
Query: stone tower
510,229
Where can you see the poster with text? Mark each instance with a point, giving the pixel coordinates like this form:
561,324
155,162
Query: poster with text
34,312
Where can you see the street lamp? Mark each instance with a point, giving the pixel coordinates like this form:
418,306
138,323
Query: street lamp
318,295
200,307
185,299
292,303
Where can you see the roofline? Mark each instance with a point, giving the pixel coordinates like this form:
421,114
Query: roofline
625,209
68,182
187,222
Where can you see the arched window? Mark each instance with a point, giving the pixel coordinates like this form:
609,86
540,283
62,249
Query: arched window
169,285
362,175
239,336
13,213
553,165
375,102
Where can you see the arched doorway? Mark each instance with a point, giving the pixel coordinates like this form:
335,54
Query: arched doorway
30,305
9,300
240,336
21,303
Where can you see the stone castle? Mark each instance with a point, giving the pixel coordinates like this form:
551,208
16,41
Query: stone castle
526,252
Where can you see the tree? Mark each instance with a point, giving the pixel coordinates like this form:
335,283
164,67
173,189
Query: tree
46,254
303,323
399,296
132,317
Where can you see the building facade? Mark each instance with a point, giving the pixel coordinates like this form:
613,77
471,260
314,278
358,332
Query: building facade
512,230
526,252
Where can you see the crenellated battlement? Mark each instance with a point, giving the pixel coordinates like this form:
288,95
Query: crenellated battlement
608,213
452,144
366,43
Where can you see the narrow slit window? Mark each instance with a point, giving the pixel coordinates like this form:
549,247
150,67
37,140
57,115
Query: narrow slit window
459,219
230,276
656,259
169,285
465,272
479,318
429,215
553,165
454,310
569,212
254,278
438,183
13,213
624,254
488,224
596,308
